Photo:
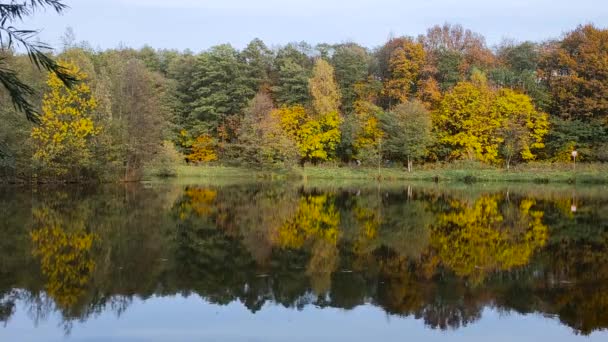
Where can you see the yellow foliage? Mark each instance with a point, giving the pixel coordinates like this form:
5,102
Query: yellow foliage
475,240
324,89
315,218
316,139
203,149
471,116
405,64
517,109
368,132
64,249
199,200
466,123
64,135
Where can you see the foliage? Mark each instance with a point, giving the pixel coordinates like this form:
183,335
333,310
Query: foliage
63,139
351,63
12,37
203,149
523,127
316,139
407,129
331,98
404,66
323,89
576,73
466,124
473,242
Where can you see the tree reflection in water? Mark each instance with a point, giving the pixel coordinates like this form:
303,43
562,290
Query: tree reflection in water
437,255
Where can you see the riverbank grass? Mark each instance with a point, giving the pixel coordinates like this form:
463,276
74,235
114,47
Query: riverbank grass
461,172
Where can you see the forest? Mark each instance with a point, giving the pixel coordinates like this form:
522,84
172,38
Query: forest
439,97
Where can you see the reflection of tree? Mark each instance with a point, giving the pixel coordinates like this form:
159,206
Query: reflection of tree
315,218
199,201
474,240
64,250
323,262
410,254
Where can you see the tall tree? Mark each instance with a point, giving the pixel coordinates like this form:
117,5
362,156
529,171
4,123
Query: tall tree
518,70
465,123
523,128
64,138
292,70
405,62
323,88
576,72
145,115
351,63
259,59
221,84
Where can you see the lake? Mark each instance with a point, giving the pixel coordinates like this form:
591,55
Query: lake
277,261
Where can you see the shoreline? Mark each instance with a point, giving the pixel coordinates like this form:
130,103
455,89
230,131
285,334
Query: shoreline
539,174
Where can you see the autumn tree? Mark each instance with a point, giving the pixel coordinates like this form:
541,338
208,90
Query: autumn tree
407,130
261,135
203,149
576,73
316,138
457,43
65,135
523,128
405,62
465,123
323,88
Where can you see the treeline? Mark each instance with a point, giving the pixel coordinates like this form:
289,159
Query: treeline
440,97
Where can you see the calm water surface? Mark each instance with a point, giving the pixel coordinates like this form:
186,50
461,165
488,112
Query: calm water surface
302,262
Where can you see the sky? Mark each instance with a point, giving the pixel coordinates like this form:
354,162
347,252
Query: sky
200,24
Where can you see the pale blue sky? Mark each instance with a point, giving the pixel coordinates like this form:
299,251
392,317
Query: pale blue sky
199,24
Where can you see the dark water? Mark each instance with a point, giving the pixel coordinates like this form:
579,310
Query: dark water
293,262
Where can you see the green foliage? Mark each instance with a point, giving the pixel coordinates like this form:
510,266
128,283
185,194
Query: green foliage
331,99
351,63
407,131
221,84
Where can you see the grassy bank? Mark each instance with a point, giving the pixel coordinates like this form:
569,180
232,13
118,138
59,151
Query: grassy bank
457,172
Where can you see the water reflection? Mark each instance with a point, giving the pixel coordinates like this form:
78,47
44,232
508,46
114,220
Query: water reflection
440,255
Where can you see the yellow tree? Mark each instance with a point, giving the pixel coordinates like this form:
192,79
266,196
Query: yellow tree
203,149
404,66
64,137
466,123
523,127
367,133
316,139
324,89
